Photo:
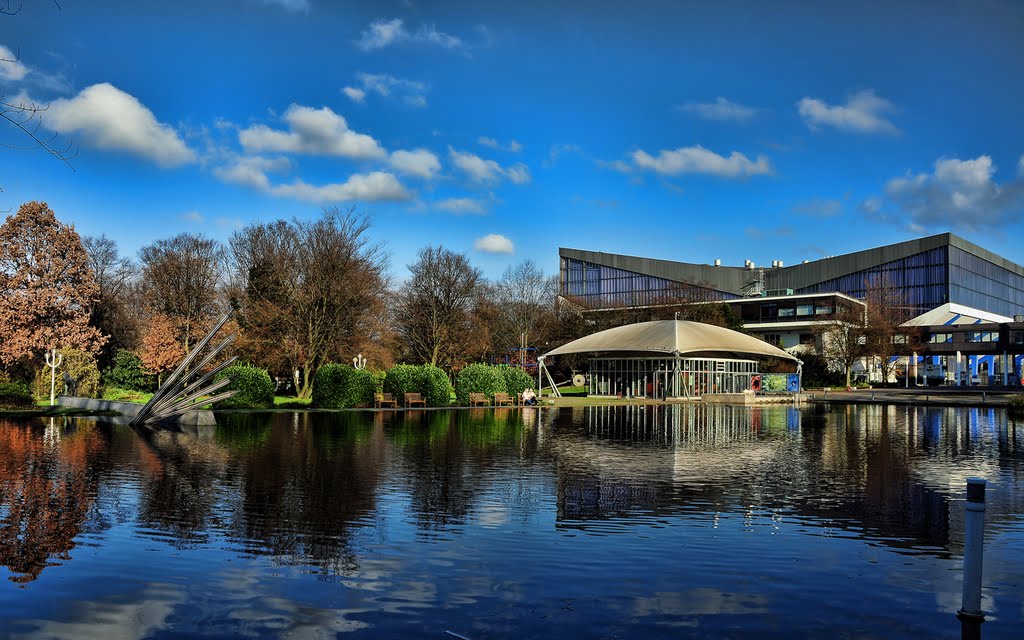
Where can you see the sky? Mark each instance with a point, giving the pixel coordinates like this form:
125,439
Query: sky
687,131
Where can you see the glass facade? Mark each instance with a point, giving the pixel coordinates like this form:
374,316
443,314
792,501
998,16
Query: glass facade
925,280
921,278
655,377
600,287
980,284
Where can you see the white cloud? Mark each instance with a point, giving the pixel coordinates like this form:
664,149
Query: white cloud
819,208
11,69
296,6
494,243
862,113
252,171
108,118
697,159
372,187
411,92
1020,167
720,109
513,146
356,95
312,131
488,171
518,173
384,33
958,194
461,205
192,216
419,162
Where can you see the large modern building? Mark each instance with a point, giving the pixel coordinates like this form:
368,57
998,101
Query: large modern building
927,272
944,284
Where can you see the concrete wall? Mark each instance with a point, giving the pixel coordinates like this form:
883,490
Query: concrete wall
130,409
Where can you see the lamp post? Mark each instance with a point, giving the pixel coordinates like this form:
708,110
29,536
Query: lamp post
359,362
53,360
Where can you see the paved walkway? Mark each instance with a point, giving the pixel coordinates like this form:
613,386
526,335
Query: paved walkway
955,396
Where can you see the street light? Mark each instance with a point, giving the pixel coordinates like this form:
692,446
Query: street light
359,362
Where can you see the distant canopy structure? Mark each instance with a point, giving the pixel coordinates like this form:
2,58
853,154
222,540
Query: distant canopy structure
671,358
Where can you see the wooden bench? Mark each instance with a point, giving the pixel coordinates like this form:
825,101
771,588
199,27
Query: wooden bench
413,399
503,398
384,400
478,400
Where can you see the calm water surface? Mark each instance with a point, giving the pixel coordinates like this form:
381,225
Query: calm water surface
631,522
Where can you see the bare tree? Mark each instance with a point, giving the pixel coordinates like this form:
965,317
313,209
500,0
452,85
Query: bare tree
311,292
525,300
886,311
114,313
181,278
437,308
842,338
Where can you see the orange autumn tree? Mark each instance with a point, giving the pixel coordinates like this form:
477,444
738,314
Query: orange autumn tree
46,287
162,348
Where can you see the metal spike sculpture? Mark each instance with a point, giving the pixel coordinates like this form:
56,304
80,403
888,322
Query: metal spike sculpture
184,387
53,360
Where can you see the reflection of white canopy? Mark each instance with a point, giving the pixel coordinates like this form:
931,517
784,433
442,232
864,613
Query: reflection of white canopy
673,337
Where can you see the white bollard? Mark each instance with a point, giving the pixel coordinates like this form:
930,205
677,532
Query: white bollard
974,534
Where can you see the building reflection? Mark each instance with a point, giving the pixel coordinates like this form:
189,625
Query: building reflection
893,474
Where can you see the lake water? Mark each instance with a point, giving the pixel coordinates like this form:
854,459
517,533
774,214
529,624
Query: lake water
610,522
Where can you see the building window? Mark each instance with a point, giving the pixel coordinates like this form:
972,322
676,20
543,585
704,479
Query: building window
773,338
807,338
787,312
938,338
1017,337
823,310
982,336
805,310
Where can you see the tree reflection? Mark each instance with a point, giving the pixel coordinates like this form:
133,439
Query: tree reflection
47,488
449,455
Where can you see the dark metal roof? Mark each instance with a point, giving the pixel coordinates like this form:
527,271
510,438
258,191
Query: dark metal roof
797,276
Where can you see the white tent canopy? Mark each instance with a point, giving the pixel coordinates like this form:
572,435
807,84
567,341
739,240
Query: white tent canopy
673,337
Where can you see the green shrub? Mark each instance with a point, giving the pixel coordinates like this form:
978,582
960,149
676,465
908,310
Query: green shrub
516,380
255,388
478,378
1016,406
361,388
79,365
436,387
15,395
341,386
126,373
402,378
429,381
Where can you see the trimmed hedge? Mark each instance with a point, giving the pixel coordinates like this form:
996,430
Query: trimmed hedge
342,386
478,378
126,373
429,381
400,379
255,388
516,380
15,395
435,386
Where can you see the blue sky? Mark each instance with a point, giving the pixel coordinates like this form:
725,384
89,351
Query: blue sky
678,130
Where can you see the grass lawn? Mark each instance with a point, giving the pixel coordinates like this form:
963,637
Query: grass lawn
290,402
116,394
